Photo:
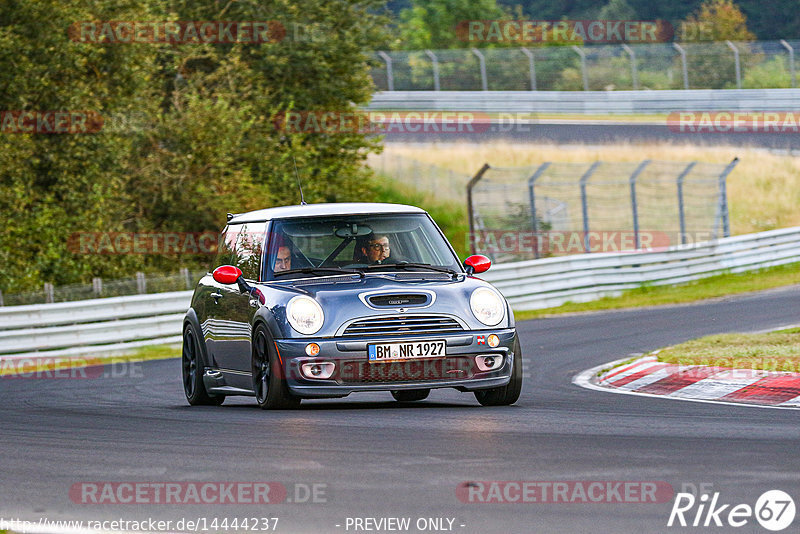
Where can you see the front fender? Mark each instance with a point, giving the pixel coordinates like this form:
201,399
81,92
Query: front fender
265,316
191,319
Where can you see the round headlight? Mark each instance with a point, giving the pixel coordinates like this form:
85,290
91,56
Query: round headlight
487,306
304,314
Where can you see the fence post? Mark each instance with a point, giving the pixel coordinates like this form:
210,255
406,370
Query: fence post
185,274
723,197
634,205
582,54
685,70
49,293
531,185
531,66
470,210
97,286
141,283
389,74
736,63
585,207
435,65
681,214
634,69
482,62
1,298
788,47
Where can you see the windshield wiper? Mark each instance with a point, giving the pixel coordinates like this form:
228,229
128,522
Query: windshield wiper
408,265
312,270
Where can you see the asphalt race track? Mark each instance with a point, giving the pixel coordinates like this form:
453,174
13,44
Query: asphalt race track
378,458
597,133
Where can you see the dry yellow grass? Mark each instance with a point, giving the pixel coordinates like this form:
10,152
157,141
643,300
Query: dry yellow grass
763,190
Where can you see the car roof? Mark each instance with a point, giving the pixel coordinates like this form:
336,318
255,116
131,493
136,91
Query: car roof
319,210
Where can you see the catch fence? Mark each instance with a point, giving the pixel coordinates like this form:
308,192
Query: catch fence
701,65
555,209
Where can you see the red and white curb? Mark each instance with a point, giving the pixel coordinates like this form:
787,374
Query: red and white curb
699,383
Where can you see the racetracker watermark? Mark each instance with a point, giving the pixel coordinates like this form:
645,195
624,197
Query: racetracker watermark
177,32
734,122
58,368
50,122
564,31
145,243
566,492
378,122
565,242
208,492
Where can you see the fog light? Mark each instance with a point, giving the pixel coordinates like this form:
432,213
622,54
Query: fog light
312,349
493,340
321,370
489,362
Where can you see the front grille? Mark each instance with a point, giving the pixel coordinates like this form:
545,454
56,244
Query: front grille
364,372
403,324
397,300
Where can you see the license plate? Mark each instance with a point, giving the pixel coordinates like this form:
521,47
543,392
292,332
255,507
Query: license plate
385,352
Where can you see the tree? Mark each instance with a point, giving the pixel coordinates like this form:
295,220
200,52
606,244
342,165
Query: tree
203,143
718,20
712,65
435,23
617,10
53,185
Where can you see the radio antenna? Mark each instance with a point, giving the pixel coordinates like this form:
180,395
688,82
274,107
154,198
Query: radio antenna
300,187
288,141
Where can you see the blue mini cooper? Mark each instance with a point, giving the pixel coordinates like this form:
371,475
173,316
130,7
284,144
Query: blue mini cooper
323,300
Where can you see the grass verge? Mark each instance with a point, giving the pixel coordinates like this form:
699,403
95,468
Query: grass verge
712,287
44,366
773,351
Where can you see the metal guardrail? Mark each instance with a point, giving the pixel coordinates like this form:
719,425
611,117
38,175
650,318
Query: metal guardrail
550,282
92,326
588,102
121,323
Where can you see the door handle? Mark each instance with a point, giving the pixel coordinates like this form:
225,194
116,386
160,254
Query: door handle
216,297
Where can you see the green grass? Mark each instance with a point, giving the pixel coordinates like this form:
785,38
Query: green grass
773,351
706,288
52,363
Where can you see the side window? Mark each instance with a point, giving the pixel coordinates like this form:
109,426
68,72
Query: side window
249,246
226,246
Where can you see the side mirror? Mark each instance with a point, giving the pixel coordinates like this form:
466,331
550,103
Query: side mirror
227,274
477,264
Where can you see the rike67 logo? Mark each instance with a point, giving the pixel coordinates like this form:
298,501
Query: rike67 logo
774,510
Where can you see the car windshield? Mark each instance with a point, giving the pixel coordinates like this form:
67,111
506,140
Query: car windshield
325,246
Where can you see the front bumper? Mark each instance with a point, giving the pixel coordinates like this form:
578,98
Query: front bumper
354,372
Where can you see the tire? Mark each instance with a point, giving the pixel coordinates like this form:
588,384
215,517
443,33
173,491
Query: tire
269,385
508,394
410,395
192,372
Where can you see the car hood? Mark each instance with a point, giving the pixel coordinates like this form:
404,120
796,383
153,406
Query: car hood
344,299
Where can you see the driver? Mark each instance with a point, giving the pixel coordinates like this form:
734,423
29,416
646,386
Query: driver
375,249
283,259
